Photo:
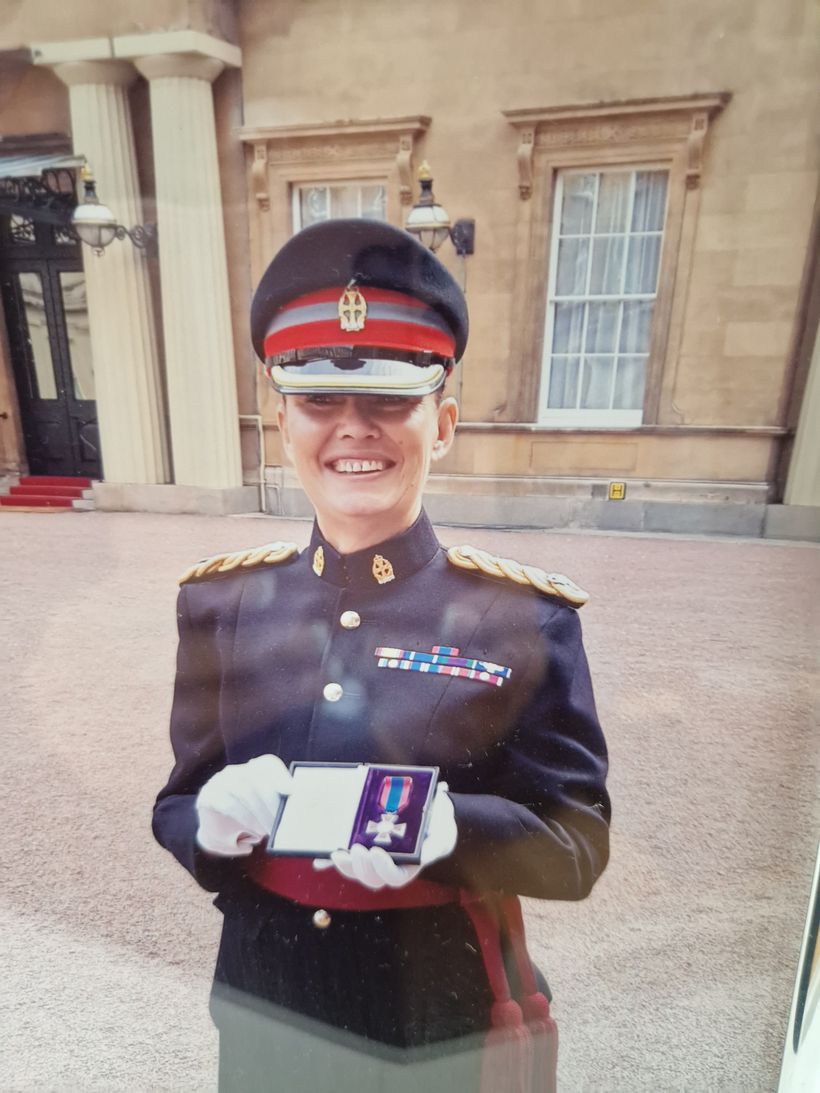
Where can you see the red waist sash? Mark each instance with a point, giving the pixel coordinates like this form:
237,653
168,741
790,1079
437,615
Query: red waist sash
297,880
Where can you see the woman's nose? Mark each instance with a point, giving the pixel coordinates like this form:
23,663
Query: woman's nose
355,420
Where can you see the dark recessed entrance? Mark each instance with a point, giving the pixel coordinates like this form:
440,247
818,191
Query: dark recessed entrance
44,300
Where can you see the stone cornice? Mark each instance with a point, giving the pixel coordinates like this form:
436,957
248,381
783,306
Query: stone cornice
713,102
681,119
413,123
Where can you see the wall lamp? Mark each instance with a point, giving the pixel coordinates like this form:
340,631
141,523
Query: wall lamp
97,227
430,222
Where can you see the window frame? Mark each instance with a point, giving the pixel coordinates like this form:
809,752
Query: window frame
666,134
577,416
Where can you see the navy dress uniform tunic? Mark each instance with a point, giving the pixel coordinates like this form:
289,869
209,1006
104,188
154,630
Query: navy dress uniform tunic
288,659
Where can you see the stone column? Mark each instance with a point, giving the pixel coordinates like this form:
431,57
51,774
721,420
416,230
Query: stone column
199,358
123,338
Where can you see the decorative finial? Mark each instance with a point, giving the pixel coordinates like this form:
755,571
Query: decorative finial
425,174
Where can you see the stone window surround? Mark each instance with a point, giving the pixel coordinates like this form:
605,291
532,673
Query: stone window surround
663,132
279,157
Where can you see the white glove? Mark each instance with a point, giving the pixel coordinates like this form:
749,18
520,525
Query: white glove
374,868
237,806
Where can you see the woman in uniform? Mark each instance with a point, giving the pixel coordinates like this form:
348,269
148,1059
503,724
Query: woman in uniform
377,645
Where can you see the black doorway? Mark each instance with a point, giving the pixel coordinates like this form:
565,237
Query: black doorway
43,291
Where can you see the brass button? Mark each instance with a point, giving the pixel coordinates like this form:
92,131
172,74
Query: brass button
333,691
321,919
350,620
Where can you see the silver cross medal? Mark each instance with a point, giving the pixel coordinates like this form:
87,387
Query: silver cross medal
385,828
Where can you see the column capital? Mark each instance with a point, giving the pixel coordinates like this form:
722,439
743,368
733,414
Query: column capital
177,42
113,73
192,66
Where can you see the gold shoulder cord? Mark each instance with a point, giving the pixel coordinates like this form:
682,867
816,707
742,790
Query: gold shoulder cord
270,554
550,584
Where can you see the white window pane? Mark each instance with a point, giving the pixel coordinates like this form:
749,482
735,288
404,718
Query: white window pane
31,287
374,202
613,202
650,201
579,199
563,383
635,326
344,201
75,308
568,328
642,264
572,267
596,383
607,266
602,327
313,202
629,383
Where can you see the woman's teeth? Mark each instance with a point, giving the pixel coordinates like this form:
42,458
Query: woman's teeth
357,466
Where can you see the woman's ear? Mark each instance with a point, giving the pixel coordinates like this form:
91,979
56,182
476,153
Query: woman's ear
282,422
447,421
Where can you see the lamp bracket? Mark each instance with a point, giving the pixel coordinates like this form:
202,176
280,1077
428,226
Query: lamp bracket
143,236
463,236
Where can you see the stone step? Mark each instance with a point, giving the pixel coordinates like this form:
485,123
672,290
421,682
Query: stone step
35,500
54,480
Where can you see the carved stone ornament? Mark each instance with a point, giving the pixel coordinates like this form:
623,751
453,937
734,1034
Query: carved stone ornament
694,150
525,149
330,151
625,132
404,163
259,175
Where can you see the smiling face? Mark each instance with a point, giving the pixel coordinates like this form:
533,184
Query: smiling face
363,459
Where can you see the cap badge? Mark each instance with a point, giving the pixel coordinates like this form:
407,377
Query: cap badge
382,569
352,309
318,561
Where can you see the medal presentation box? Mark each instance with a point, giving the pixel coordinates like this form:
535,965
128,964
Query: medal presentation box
334,806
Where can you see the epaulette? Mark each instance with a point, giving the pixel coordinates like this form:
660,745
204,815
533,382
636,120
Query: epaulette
270,554
550,584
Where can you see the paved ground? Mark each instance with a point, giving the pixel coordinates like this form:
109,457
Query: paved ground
675,975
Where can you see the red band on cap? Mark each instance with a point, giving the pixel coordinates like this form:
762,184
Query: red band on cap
393,321
411,337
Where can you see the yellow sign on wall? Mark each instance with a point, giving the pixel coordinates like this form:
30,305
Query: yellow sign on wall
617,491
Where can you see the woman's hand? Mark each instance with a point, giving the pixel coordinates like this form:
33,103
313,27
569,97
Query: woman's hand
238,805
374,868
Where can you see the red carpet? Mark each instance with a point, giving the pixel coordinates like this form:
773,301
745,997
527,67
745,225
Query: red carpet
45,492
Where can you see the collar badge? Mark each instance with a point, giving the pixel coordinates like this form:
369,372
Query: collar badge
352,309
318,561
382,570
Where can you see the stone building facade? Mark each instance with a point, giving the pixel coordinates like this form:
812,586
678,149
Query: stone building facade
643,178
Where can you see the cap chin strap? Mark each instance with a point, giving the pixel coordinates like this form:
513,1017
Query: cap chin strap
428,380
